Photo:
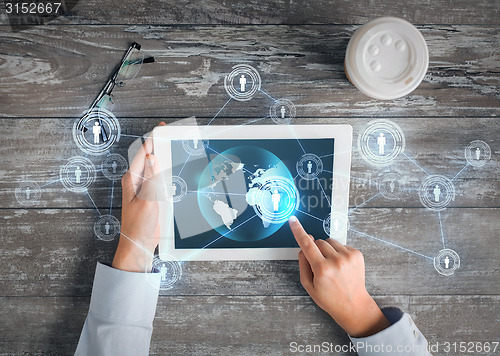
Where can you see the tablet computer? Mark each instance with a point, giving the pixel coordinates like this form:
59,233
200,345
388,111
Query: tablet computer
229,190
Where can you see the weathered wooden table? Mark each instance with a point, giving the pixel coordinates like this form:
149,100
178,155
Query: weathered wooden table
49,74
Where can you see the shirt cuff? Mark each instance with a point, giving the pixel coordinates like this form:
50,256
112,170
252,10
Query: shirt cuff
402,337
124,297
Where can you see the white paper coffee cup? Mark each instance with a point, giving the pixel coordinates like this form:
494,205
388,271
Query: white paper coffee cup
386,58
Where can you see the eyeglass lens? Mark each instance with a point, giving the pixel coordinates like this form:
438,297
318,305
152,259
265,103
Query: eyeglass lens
130,67
106,102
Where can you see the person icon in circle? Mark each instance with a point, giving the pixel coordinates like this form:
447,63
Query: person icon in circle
96,130
437,193
283,111
163,272
309,167
276,197
195,143
114,166
446,262
381,141
478,153
243,83
392,186
28,193
107,228
174,189
78,175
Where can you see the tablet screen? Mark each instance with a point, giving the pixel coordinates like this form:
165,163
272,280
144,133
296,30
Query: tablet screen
240,193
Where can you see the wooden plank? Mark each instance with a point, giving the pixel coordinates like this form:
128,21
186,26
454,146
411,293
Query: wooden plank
53,252
191,325
277,321
264,325
39,326
472,320
258,325
56,71
436,145
50,252
277,12
467,231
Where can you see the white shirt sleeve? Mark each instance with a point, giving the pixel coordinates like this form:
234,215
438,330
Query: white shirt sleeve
401,338
121,313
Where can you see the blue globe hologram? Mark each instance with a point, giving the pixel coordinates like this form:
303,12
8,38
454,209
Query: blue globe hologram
235,193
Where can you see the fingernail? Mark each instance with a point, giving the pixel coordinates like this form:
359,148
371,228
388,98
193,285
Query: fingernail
150,160
293,219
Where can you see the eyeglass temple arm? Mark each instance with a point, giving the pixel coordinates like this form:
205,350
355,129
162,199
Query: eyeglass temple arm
149,59
110,84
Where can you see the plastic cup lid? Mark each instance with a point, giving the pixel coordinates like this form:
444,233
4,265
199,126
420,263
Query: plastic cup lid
387,58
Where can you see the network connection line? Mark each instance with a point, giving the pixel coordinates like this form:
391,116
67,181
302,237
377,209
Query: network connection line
255,120
51,182
441,229
391,244
364,203
415,163
218,112
266,94
226,233
324,194
312,216
328,155
138,245
215,193
135,136
184,165
95,206
463,169
302,147
112,195
338,153
338,174
142,177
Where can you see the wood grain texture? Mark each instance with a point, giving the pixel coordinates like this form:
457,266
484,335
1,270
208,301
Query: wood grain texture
53,252
278,12
227,325
56,71
449,318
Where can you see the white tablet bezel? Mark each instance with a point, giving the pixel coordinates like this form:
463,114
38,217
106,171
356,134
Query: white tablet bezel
163,135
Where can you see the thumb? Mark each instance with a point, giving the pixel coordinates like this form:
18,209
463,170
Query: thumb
149,188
